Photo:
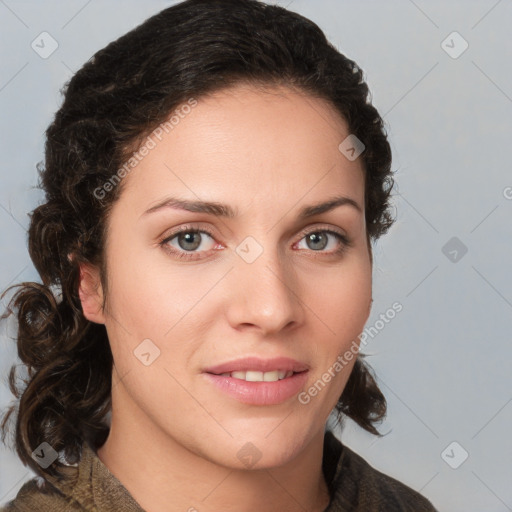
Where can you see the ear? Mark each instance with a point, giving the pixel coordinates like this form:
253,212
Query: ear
90,292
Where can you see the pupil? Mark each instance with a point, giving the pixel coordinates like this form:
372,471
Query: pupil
318,238
188,239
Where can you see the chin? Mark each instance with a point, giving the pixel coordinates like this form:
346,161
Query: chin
264,448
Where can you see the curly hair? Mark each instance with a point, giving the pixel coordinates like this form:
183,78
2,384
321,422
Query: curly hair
110,105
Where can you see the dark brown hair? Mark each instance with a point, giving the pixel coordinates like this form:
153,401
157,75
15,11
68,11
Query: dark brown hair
110,105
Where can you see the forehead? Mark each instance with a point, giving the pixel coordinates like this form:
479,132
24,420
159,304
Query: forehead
251,143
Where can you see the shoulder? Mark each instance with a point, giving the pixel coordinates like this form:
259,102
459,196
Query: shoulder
44,498
83,486
361,487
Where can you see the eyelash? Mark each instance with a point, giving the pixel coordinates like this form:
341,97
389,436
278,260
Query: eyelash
345,242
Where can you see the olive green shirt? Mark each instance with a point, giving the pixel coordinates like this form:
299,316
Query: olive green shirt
353,484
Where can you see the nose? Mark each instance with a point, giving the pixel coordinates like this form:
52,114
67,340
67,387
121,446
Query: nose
265,294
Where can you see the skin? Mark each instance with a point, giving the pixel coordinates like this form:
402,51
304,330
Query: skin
174,437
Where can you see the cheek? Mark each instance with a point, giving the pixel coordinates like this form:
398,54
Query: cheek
147,298
342,299
148,301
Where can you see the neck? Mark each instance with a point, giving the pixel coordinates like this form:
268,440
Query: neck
163,475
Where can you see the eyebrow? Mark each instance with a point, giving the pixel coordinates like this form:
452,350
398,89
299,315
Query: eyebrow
224,210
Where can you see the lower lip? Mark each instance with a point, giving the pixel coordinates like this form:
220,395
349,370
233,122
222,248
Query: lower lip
260,393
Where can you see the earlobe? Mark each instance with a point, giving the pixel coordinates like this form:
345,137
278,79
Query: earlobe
90,292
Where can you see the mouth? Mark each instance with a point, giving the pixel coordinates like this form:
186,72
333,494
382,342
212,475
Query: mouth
259,387
258,381
254,369
258,376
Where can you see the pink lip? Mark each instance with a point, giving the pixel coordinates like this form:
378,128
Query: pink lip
260,393
257,364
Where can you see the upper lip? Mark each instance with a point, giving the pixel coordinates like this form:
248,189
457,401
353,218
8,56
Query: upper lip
255,363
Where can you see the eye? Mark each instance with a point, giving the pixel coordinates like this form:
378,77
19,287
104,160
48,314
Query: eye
322,239
187,242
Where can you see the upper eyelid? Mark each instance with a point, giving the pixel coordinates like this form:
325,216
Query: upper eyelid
304,231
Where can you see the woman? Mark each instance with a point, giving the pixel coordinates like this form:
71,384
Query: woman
214,181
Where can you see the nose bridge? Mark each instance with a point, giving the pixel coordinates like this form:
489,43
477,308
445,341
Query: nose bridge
266,289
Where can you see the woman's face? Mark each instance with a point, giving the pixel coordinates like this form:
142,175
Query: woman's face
264,282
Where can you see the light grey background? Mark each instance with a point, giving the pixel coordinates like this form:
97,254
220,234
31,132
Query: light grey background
443,362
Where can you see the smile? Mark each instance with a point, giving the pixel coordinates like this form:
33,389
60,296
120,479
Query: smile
249,387
256,376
